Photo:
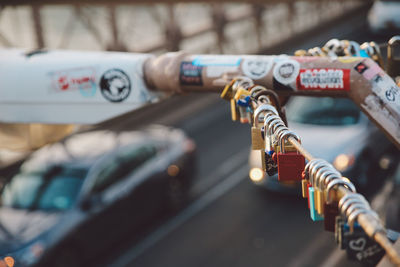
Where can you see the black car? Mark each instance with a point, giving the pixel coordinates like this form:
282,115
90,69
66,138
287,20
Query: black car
73,199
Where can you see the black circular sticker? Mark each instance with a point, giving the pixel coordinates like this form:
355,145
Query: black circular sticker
115,85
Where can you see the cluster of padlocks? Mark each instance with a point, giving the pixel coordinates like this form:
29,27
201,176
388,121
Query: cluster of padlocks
278,147
331,197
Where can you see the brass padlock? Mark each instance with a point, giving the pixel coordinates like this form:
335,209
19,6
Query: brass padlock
393,62
257,141
234,110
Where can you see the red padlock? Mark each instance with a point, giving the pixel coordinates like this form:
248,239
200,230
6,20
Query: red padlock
290,164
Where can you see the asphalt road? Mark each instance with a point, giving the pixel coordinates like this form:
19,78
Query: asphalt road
229,221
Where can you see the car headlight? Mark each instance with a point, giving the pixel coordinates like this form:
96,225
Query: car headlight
256,175
343,161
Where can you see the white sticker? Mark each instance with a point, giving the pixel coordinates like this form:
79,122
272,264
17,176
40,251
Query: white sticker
286,71
256,67
387,90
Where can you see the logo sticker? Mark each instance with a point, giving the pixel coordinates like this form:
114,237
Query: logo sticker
286,71
115,85
256,67
324,79
82,79
190,74
361,67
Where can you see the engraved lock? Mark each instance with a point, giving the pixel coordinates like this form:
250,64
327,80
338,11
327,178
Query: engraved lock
393,61
290,164
257,141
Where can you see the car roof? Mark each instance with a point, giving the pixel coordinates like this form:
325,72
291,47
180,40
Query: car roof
83,149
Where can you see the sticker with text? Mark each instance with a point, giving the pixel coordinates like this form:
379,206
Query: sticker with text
324,79
190,74
82,79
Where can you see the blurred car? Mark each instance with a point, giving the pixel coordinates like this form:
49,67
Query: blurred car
336,130
384,16
72,200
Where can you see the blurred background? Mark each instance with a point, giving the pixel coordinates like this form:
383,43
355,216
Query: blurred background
175,183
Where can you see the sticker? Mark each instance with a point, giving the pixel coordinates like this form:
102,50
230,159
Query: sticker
82,79
256,67
361,68
216,60
115,85
324,79
286,71
190,74
386,89
368,68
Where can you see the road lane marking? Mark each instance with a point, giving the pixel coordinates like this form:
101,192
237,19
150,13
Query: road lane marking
209,197
223,170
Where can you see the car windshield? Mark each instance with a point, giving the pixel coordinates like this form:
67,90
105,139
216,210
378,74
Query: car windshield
53,190
322,111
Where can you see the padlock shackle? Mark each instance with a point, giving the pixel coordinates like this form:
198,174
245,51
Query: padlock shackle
352,199
318,175
240,81
261,109
315,167
284,136
393,41
310,164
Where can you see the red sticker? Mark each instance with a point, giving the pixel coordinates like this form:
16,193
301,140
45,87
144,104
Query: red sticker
324,79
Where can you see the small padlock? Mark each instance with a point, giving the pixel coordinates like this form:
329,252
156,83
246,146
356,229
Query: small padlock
313,212
331,209
393,62
290,164
257,141
227,93
234,110
320,195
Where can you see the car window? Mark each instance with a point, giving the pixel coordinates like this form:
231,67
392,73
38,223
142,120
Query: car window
125,161
322,111
43,191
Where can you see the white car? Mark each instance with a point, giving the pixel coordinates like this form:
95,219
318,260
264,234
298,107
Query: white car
336,130
384,16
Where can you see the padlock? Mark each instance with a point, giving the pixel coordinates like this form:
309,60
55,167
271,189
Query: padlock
339,238
234,110
313,212
319,190
257,141
305,183
290,164
393,62
331,209
227,93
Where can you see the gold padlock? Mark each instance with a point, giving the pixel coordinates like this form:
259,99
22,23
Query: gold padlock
227,93
257,141
234,110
